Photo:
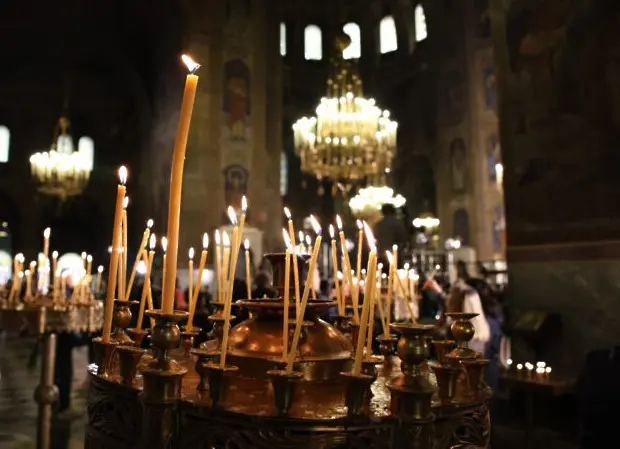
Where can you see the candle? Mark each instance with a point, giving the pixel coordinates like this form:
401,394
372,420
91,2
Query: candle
114,258
46,242
164,247
369,285
63,288
55,274
547,371
287,292
225,263
229,291
244,209
291,234
28,284
88,276
373,305
360,242
98,279
299,319
123,284
335,271
347,267
390,291
218,264
201,267
146,286
139,256
176,184
190,275
248,273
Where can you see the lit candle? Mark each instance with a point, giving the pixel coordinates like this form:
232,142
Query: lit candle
88,275
46,242
244,210
234,254
123,285
98,279
373,306
176,184
218,264
291,235
347,267
529,368
201,267
225,263
360,242
55,274
335,270
146,285
28,293
287,292
299,319
369,286
509,363
519,369
190,276
248,273
390,291
547,371
139,256
164,247
63,288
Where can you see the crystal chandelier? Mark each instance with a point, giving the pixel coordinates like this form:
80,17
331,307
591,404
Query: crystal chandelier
61,171
351,139
366,205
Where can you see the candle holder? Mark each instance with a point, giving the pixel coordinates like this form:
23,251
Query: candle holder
203,356
446,376
463,331
137,335
187,339
217,331
121,319
474,369
442,348
104,353
343,324
387,345
284,384
369,365
218,377
165,337
411,392
355,332
356,397
128,359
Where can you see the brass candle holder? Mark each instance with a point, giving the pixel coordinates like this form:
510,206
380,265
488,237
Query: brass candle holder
218,377
203,356
442,348
283,384
137,335
128,359
463,331
356,396
121,319
104,352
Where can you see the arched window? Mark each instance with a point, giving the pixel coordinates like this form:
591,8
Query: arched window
421,32
354,50
282,39
283,174
86,148
313,43
388,38
5,142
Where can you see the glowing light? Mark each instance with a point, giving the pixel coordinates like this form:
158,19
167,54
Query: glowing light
287,212
190,253
287,238
122,174
331,231
244,204
225,239
149,223
164,243
315,225
205,241
232,216
152,242
192,66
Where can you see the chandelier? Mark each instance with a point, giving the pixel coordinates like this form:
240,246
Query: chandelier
61,171
366,205
351,139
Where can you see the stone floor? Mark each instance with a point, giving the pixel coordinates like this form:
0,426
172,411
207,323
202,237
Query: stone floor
18,410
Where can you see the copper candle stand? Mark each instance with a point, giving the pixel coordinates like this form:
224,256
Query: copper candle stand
254,403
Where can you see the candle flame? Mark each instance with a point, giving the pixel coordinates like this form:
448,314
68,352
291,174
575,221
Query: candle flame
370,238
27,272
190,253
152,242
47,232
192,66
205,241
394,248
300,235
315,225
149,223
122,174
164,243
360,225
339,222
100,269
20,257
55,255
389,257
308,240
331,231
246,244
406,266
83,254
287,212
287,238
218,238
380,266
225,239
89,258
244,204
20,274
232,216
126,202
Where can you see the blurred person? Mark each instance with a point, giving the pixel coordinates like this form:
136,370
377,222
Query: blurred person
389,231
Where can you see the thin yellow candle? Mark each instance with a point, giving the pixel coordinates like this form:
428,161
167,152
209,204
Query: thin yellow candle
201,267
123,284
55,274
373,305
218,264
176,185
28,293
287,292
88,275
248,273
234,254
139,256
146,285
369,286
360,242
390,291
46,242
244,210
63,289
291,235
225,263
98,279
347,267
190,276
335,271
299,319
164,247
